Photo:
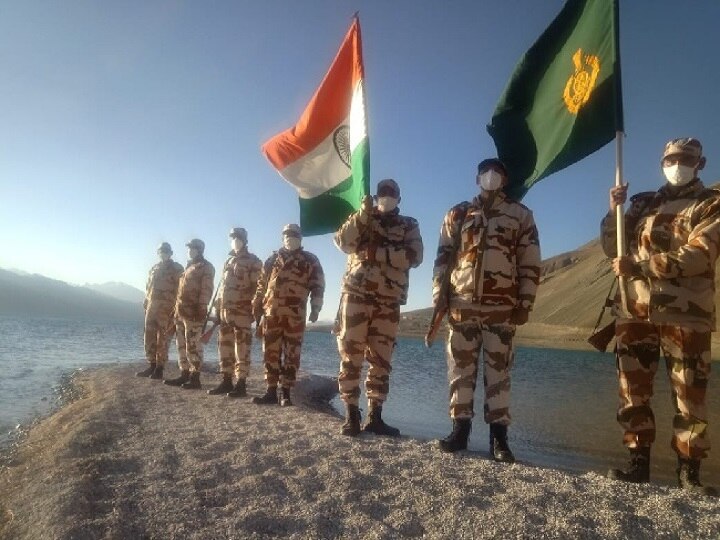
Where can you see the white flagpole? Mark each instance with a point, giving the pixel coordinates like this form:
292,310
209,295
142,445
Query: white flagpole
620,218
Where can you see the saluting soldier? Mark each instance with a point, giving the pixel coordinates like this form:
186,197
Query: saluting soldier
673,239
234,311
160,293
382,246
289,276
191,307
491,249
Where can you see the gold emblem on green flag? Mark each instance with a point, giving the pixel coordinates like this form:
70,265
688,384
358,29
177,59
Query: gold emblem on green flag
580,85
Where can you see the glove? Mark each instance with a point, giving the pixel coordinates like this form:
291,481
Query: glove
366,208
314,315
519,316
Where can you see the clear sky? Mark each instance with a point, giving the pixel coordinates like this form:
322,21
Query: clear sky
125,124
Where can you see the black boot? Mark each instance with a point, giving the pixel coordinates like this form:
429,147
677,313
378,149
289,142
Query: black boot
269,398
193,383
375,424
239,390
224,387
458,439
285,400
157,375
351,427
499,444
688,472
638,471
148,371
179,381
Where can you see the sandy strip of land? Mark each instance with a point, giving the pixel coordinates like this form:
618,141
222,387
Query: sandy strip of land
131,458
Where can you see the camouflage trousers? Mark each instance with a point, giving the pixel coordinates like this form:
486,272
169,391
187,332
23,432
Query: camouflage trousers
687,362
469,334
365,330
189,344
282,343
158,328
234,344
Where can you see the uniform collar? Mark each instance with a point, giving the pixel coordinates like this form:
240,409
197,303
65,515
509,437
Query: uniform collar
668,191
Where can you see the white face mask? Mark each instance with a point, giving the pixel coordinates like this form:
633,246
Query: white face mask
192,253
291,243
490,180
164,256
237,244
387,204
679,175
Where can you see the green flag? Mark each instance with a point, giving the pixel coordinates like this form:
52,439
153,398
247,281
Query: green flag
563,101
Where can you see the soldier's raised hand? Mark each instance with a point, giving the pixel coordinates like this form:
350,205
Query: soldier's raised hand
366,208
314,314
618,195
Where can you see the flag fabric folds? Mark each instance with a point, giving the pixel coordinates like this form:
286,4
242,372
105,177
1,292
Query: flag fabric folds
563,101
326,155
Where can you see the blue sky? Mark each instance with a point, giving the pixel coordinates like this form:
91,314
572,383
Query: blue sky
125,124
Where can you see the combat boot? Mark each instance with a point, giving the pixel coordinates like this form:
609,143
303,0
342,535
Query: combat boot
148,371
688,472
179,381
374,423
224,387
157,375
269,398
193,383
499,444
458,438
285,400
638,471
351,427
239,390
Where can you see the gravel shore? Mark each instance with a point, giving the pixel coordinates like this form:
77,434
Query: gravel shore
131,458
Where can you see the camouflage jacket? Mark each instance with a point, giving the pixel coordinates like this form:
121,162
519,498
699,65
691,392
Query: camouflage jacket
501,274
162,286
239,281
398,247
673,236
195,291
286,280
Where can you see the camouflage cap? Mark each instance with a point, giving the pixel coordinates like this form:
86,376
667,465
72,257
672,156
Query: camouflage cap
389,184
239,232
486,163
292,229
687,146
197,244
165,248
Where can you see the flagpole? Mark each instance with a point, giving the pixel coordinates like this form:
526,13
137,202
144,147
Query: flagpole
620,218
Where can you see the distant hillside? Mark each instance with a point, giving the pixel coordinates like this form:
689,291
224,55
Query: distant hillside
36,295
118,290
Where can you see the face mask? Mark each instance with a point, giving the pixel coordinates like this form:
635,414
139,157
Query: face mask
490,180
679,175
237,244
192,253
164,256
387,204
291,243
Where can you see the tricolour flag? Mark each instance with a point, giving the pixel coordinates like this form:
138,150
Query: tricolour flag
326,156
564,100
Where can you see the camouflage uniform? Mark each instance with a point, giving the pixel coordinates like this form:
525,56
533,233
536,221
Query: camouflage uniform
373,290
234,307
160,293
287,279
194,294
487,283
673,237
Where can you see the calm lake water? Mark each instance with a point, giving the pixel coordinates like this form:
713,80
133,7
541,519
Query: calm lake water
563,402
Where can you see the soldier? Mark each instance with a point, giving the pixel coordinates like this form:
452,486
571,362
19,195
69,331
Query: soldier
160,293
382,246
234,311
673,238
288,277
194,293
489,257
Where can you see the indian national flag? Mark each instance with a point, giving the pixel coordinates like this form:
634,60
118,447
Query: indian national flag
326,156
